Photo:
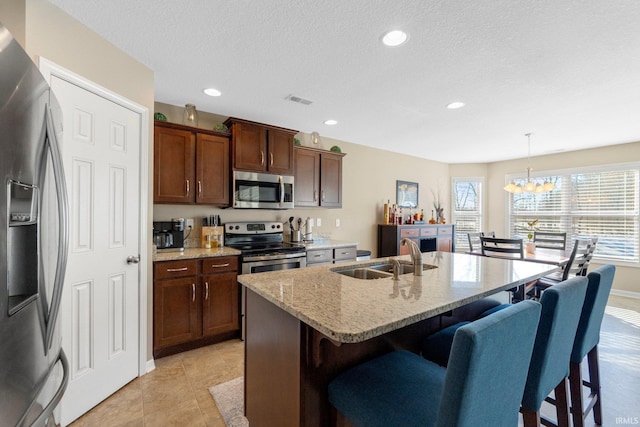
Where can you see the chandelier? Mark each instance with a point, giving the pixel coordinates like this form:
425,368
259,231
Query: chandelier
529,186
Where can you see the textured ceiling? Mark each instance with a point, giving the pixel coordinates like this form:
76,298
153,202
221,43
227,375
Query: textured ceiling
565,70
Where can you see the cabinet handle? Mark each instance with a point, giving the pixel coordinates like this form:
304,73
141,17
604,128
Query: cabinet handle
193,292
220,265
200,187
317,256
172,270
206,291
315,195
345,253
262,157
270,159
187,187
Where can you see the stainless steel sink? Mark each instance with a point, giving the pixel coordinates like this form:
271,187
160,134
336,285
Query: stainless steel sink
376,271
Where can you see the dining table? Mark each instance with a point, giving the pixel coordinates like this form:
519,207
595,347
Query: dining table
557,257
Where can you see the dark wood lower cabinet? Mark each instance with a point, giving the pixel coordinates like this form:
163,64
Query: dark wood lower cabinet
195,303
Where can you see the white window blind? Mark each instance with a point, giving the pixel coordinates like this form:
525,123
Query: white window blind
466,209
598,202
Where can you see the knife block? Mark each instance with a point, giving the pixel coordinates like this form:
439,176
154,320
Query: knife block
206,231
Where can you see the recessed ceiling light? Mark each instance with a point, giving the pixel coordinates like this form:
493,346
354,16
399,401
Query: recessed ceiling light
330,122
455,105
212,92
394,38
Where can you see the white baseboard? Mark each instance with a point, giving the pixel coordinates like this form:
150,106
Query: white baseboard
627,294
151,365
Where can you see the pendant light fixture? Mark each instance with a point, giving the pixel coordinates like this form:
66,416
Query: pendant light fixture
529,186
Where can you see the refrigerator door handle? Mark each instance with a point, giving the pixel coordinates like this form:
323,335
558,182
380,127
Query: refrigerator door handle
55,400
63,226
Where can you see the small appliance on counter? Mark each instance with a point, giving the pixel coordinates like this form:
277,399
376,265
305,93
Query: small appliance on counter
169,235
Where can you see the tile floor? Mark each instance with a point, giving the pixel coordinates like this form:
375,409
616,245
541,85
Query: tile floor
176,393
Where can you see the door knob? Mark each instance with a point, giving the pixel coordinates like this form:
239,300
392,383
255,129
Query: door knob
133,259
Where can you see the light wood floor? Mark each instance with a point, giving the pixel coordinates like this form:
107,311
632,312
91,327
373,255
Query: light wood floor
176,393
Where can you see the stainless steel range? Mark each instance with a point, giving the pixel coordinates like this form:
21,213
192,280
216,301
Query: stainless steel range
262,247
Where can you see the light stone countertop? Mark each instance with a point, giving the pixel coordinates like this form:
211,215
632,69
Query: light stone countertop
353,310
193,253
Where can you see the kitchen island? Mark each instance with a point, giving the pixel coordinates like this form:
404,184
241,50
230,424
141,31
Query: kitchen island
305,326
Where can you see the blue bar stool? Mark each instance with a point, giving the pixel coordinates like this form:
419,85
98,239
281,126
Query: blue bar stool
586,344
481,386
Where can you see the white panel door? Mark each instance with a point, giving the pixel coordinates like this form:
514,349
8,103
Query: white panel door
100,308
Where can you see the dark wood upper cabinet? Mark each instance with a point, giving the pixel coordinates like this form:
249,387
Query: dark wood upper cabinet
190,165
258,147
173,165
212,169
318,178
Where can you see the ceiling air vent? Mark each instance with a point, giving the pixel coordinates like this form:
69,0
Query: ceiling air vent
298,99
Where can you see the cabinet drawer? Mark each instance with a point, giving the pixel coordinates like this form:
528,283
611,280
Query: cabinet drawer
348,252
172,269
431,231
409,232
319,255
219,264
445,231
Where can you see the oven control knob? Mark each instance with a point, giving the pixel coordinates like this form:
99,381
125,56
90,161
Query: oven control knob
237,227
273,226
231,227
278,226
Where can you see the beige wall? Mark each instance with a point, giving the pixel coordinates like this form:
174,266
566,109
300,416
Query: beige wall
43,30
369,178
626,279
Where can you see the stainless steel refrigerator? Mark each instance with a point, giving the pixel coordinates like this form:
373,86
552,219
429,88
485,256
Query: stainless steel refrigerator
33,242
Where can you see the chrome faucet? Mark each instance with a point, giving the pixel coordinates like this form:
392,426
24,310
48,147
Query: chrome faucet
416,255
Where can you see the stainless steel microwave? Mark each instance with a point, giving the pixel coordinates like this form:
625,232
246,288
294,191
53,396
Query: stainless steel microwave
252,190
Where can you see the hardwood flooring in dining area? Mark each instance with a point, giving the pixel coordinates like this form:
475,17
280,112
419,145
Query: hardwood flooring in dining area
176,393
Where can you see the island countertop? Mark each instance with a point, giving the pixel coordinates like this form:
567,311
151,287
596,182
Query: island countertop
352,310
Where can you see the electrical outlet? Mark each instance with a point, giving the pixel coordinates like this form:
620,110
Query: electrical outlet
319,222
188,223
337,222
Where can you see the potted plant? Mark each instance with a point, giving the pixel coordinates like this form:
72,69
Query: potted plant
531,227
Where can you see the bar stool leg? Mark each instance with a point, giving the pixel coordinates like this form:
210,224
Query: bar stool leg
575,384
530,418
562,403
594,384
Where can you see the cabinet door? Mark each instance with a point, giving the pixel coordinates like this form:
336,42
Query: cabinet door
219,303
307,178
250,147
331,181
173,166
444,244
280,146
176,304
212,169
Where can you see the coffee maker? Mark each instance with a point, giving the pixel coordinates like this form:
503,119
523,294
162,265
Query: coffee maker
169,235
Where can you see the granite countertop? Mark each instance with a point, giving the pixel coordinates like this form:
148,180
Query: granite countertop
354,310
193,253
327,244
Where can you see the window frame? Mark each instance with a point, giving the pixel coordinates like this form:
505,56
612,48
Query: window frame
568,212
461,232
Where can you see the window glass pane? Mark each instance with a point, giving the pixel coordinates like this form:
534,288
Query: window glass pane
467,209
591,202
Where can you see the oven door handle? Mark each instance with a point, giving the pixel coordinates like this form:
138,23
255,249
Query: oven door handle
274,258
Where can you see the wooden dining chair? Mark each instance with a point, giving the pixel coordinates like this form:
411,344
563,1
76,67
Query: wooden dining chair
474,239
550,240
503,248
578,263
